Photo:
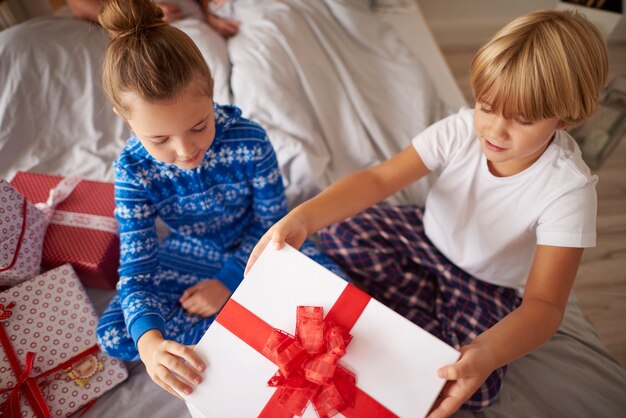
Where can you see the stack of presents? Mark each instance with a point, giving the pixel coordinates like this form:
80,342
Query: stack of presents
297,339
57,235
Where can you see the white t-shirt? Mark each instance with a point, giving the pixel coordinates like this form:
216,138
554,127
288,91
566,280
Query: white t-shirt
490,226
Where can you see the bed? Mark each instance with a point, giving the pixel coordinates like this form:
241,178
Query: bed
338,85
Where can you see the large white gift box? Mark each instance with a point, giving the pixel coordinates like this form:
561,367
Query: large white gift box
393,361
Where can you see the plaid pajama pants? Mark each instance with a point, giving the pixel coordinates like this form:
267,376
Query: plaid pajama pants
386,250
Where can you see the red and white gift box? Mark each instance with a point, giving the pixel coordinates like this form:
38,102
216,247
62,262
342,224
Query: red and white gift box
393,361
82,229
50,364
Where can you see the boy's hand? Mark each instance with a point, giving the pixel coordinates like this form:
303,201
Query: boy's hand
164,363
464,378
205,298
291,229
225,27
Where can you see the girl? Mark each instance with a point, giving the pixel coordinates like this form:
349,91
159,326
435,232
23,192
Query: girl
208,173
488,264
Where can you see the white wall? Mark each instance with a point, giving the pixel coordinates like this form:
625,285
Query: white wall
463,22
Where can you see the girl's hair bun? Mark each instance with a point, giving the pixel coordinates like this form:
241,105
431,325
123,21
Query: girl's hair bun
147,56
122,18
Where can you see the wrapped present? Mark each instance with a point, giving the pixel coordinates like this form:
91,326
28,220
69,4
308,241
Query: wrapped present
82,229
22,230
297,339
50,364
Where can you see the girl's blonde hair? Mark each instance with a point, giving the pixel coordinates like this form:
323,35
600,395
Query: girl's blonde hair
147,56
545,64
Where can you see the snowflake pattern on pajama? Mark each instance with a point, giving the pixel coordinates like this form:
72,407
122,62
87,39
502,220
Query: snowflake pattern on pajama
215,212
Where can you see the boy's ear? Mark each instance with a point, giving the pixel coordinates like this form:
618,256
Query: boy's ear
117,112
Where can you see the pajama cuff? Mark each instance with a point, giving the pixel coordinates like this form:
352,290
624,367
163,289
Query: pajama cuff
141,325
230,275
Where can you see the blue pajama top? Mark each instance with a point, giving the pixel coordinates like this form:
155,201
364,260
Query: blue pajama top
216,212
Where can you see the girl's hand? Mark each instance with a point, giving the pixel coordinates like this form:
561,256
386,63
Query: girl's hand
464,378
225,27
169,364
171,11
291,229
205,298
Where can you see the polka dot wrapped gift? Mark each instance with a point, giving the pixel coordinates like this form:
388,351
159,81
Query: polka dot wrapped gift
50,365
82,229
22,230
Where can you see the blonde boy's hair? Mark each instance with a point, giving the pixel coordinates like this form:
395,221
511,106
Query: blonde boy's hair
147,56
545,64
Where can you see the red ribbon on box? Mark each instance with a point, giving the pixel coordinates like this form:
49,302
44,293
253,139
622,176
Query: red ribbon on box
11,407
79,211
308,373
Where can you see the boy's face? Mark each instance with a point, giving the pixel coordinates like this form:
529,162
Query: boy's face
177,132
512,145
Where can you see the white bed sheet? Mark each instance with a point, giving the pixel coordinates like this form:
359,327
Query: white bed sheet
345,91
54,116
337,89
334,86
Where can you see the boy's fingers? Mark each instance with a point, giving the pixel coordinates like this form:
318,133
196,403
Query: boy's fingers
278,239
436,404
447,407
256,252
448,373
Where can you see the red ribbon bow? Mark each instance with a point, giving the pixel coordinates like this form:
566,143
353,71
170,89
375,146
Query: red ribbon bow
307,365
11,407
256,333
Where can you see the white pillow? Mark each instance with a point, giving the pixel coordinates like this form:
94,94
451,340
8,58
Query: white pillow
54,116
214,50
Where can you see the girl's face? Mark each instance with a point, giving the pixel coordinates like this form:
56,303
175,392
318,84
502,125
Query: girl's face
512,145
176,132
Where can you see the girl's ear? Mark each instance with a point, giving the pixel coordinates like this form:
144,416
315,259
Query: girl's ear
117,112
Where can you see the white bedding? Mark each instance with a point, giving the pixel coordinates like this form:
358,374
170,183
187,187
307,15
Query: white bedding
54,116
337,87
344,92
332,83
